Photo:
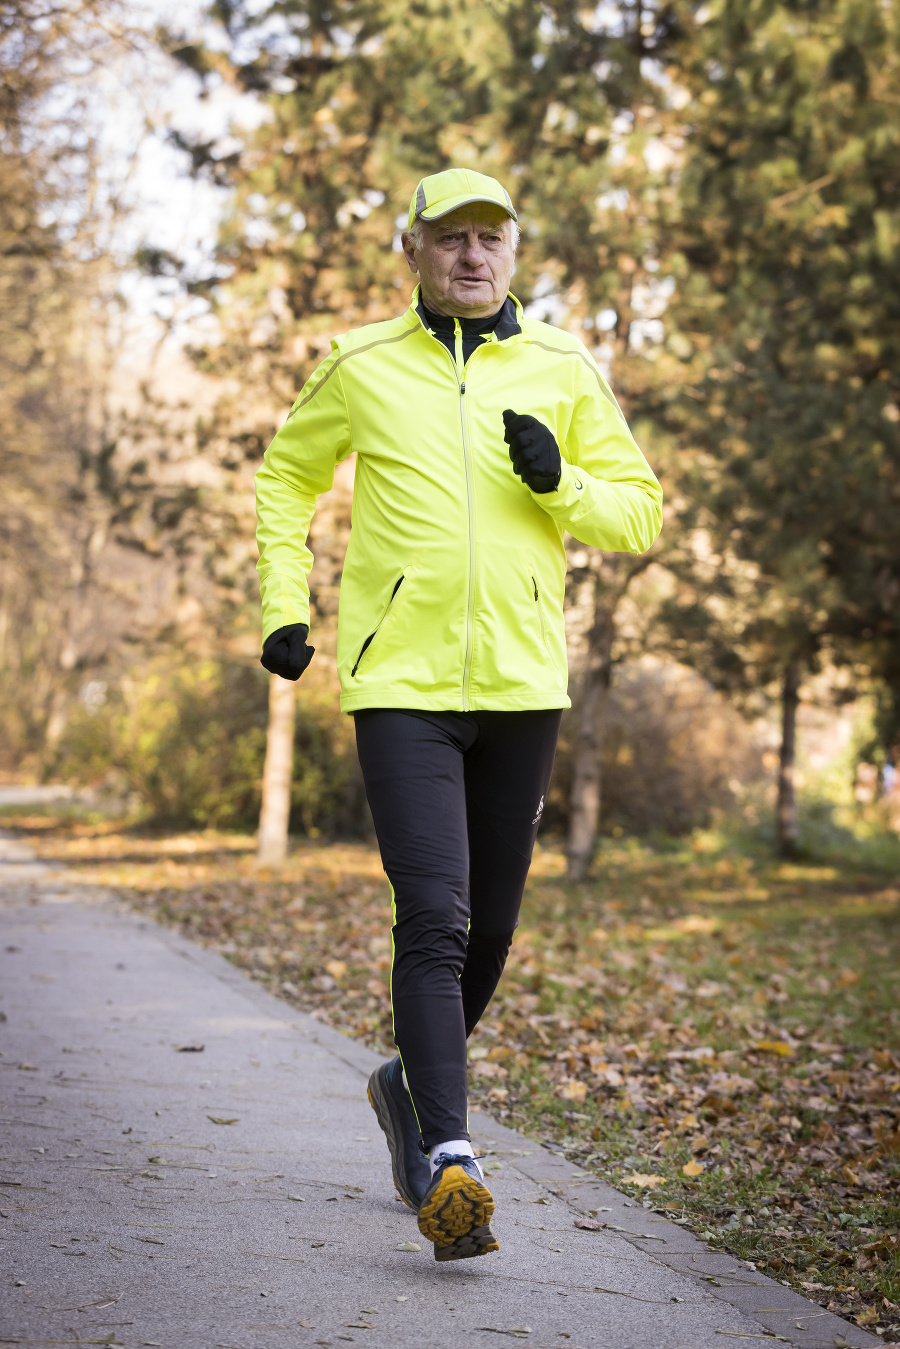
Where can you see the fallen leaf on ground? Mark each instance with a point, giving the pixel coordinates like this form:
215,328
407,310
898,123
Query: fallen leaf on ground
692,1168
214,1119
780,1047
407,1246
645,1182
483,1068
572,1091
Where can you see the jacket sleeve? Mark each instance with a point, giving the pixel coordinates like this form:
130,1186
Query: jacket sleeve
298,466
608,496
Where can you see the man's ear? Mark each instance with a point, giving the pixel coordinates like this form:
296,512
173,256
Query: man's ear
409,251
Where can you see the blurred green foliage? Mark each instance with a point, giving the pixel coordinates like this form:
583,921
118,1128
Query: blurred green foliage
182,744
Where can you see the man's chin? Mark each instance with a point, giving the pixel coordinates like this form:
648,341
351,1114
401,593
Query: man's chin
473,296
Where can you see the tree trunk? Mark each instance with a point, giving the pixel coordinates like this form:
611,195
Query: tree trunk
787,831
276,788
584,801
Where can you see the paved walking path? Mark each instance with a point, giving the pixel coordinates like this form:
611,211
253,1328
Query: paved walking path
238,1195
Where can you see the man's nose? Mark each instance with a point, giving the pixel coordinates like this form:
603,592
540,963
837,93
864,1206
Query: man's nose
473,253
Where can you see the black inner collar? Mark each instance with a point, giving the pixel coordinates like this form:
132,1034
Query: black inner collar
474,331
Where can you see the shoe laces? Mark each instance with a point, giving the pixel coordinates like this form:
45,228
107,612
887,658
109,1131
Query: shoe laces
451,1159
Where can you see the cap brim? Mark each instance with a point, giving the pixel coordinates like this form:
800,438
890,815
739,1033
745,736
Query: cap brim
454,203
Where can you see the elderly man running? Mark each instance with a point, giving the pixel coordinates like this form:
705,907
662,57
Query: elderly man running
480,436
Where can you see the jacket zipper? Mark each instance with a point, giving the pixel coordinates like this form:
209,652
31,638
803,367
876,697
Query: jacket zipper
374,633
460,370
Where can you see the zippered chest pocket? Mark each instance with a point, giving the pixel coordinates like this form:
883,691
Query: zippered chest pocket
387,609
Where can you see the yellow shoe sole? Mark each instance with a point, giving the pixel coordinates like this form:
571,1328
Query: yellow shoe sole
456,1216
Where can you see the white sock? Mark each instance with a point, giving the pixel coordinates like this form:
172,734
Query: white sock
456,1147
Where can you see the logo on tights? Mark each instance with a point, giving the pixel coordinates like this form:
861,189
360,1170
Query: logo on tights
540,812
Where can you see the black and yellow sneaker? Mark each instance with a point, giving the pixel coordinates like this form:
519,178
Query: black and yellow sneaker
393,1108
457,1209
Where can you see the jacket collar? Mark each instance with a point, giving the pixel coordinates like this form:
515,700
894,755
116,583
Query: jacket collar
508,325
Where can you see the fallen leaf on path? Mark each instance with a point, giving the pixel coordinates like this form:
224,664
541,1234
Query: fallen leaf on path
214,1119
407,1246
589,1224
753,1335
644,1181
517,1332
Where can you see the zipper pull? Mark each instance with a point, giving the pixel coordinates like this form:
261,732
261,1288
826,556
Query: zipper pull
534,583
462,389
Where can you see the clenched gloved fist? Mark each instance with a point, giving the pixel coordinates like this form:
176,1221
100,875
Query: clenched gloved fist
285,652
533,451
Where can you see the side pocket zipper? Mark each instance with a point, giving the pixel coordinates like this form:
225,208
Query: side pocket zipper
374,633
540,609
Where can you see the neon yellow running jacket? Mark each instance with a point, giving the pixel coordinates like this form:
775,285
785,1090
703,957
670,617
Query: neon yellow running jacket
453,584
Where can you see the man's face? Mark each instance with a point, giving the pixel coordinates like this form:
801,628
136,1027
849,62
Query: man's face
465,260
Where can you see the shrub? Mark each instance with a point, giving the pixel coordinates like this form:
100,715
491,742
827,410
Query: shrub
187,744
674,753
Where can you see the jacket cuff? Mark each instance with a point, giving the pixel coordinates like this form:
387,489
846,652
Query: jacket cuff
566,502
283,602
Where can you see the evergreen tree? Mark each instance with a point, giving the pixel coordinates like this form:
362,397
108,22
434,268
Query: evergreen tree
786,314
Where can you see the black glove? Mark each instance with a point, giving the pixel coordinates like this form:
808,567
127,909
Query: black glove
533,451
285,652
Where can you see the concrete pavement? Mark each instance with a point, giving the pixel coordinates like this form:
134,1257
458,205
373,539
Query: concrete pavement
189,1163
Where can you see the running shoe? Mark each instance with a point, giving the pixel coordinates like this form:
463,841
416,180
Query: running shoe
457,1209
393,1108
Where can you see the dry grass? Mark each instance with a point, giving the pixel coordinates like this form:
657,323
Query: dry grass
717,1034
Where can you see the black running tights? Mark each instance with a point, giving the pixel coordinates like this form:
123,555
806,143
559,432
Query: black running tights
456,798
